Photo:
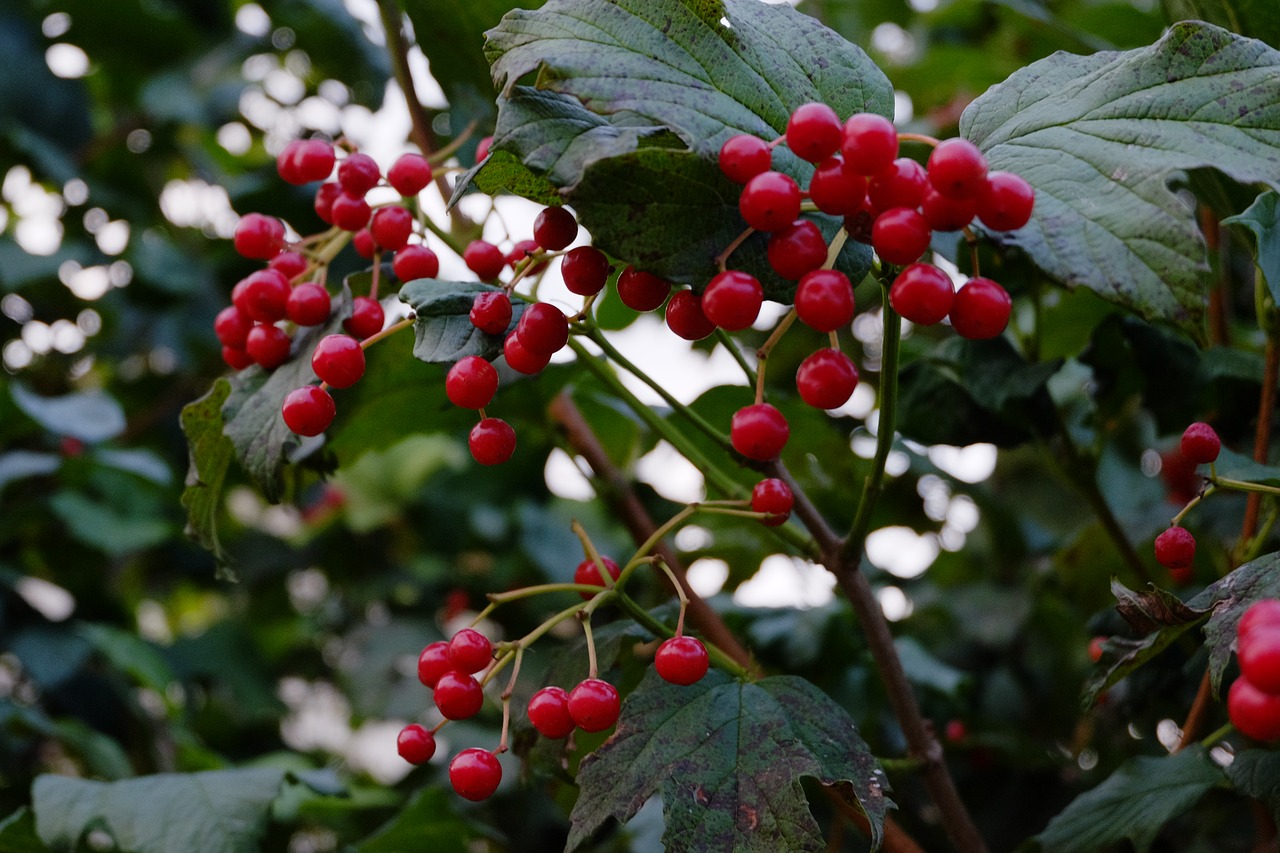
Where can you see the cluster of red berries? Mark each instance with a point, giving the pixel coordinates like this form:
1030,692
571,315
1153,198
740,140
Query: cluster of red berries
1176,548
1253,703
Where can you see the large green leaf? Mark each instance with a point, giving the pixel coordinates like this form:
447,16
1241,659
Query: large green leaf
1256,774
727,758
91,416
1263,219
1100,136
211,453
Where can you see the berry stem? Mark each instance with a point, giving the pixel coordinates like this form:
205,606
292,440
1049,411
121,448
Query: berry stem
458,141
762,354
972,240
723,257
1244,486
1266,406
837,245
506,702
593,670
376,275
834,338
684,599
497,598
388,331
656,627
726,340
647,546
593,554
918,137
1204,493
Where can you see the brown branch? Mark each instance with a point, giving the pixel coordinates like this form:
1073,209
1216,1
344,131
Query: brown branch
1196,716
1262,436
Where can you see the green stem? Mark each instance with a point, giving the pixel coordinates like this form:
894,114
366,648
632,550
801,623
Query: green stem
1244,486
658,629
1217,735
449,240
531,591
726,340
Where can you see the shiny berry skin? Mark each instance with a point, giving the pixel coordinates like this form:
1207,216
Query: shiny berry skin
458,695
797,249
259,237
492,441
484,259
309,304
814,132
732,300
742,157
1005,202
543,329
308,410
415,744
901,185
685,317
585,270
980,309
491,312
362,241
232,327
338,360
1259,654
349,212
471,383
474,774
594,705
1264,613
769,201
520,358
955,731
774,497
1200,443
409,174
433,662
588,574
826,379
870,143
1255,713
286,165
470,651
1175,548
957,168
305,160
326,195
900,235
391,227
642,291
824,300
366,318
681,660
835,189
414,262
482,148
358,174
922,293
236,358
759,432
268,346
549,712
947,214
288,264
554,228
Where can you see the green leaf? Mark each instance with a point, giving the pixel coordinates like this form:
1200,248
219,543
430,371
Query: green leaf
427,822
111,529
221,811
1263,219
1237,466
18,833
90,416
1100,136
1133,803
443,332
1253,18
727,758
210,454
380,484
1256,774
1230,597
20,464
502,172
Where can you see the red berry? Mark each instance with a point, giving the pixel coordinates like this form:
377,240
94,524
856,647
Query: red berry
471,383
797,249
338,360
922,293
824,300
813,132
900,235
870,143
836,189
522,251
685,316
433,662
1255,713
475,773
484,259
642,291
1200,443
414,262
732,300
326,195
491,312
585,270
1264,613
236,358
1096,648
947,214
350,213
543,329
774,497
409,174
259,237
1175,548
588,574
492,441
482,148
769,201
955,731
742,157
594,705
415,744
1005,201
308,410
957,168
366,318
305,160
520,358
681,660
901,185
470,651
826,379
980,309
458,695
309,305
268,346
549,712
358,174
285,164
232,326
364,244
554,228
1259,654
758,432
288,264
391,227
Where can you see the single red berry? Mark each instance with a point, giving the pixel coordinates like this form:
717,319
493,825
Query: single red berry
685,317
268,346
349,212
549,712
433,662
288,264
232,326
362,241
1175,548
482,148
836,189
409,174
259,237
944,213
492,441
732,300
681,660
484,259
901,185
742,157
1200,443
554,228
922,293
543,329
366,320
358,174
826,379
471,383
474,774
585,270
391,227
955,731
326,195
1260,614
900,235
1005,201
338,360
813,132
491,312
980,309
413,262
470,651
286,165
1255,713
236,358
458,695
642,291
957,168
1179,476
521,359
824,300
797,249
773,496
305,160
594,705
308,410
1096,648
769,201
1182,576
522,251
1259,654
588,574
870,143
759,432
415,744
